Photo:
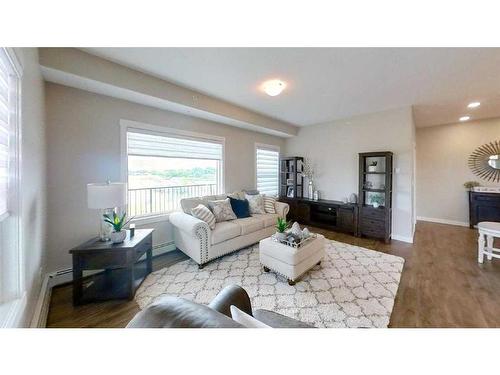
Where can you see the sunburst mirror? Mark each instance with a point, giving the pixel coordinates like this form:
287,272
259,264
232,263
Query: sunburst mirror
485,161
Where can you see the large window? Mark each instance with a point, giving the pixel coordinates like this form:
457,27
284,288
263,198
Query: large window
164,168
267,169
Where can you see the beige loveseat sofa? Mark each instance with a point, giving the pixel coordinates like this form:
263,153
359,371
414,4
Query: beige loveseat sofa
195,238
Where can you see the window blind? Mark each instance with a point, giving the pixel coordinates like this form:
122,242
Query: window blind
142,144
4,136
267,171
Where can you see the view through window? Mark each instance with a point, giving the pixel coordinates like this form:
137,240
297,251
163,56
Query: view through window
162,170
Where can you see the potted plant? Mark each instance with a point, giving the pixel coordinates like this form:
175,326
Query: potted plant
281,227
372,167
118,235
470,185
377,200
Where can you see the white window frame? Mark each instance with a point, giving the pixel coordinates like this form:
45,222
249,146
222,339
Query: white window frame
126,125
12,261
270,148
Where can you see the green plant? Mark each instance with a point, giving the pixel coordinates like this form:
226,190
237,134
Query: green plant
116,222
377,198
471,184
281,225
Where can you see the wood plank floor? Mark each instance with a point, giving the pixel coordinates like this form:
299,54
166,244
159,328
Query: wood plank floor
442,284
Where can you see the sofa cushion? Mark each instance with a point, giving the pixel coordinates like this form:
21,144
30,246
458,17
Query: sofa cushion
249,224
202,212
222,210
225,231
240,207
268,219
256,203
269,203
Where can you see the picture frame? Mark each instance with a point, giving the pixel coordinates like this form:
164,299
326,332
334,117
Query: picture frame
289,192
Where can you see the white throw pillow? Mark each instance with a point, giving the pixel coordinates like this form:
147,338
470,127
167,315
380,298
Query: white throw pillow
256,203
269,203
222,210
203,213
246,320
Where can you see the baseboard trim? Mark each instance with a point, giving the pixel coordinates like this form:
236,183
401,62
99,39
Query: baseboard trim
65,276
402,238
443,221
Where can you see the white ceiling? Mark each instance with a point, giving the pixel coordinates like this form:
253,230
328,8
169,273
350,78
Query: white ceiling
326,84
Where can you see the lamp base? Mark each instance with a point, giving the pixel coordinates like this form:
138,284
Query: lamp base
105,229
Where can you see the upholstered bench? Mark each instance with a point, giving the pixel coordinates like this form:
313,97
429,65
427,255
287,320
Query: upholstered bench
289,261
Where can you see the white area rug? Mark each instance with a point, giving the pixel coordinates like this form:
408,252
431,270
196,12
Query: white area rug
353,286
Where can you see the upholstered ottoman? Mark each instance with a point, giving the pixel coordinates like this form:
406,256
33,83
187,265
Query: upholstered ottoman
289,261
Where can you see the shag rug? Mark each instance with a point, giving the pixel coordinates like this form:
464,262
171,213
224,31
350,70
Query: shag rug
353,286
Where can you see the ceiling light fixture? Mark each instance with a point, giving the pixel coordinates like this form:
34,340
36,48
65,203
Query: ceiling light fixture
273,87
464,118
474,105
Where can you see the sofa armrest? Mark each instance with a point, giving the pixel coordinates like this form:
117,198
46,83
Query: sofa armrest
188,224
281,209
231,295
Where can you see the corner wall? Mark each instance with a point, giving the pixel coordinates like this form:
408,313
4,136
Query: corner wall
333,148
442,154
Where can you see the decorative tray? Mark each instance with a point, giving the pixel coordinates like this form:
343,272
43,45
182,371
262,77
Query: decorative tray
294,241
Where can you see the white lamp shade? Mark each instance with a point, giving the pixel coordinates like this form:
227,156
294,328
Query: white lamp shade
106,195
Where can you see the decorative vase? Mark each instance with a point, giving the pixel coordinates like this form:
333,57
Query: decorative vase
118,237
372,168
310,190
280,236
296,231
305,233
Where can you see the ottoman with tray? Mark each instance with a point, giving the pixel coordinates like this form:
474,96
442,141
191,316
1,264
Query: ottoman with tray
291,261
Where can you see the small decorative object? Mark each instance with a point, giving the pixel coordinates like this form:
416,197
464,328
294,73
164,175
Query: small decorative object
296,231
289,192
345,200
132,230
372,167
281,227
305,233
316,195
485,161
470,185
377,200
308,172
368,185
289,181
106,197
353,198
118,235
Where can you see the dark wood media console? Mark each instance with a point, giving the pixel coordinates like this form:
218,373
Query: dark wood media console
323,213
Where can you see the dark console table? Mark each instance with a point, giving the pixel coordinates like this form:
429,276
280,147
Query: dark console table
483,207
123,272
323,213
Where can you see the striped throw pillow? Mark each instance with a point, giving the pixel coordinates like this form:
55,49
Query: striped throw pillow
203,213
269,204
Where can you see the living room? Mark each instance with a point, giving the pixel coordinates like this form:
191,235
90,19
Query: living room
249,186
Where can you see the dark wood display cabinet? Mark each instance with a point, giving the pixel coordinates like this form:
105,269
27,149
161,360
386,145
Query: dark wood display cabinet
375,195
483,207
328,214
291,179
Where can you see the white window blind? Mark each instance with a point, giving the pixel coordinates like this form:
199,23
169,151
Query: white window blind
4,136
267,168
142,144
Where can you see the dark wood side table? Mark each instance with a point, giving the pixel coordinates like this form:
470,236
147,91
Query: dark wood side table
123,272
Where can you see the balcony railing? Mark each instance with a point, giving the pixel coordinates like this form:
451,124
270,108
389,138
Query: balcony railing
162,200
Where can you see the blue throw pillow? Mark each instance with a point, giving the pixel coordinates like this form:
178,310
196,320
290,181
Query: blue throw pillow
240,207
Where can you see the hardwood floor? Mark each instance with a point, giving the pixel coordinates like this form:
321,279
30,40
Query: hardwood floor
442,284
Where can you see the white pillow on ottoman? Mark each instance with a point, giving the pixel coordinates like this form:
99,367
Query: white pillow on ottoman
203,213
246,320
256,203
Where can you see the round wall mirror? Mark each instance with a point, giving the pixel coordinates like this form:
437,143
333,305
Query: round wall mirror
485,161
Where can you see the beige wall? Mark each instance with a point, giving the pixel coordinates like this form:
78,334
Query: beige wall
442,153
84,146
33,190
333,148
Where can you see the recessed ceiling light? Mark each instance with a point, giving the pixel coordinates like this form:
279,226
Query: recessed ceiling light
464,118
273,87
474,105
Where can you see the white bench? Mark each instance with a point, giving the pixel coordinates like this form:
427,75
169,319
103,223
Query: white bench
488,230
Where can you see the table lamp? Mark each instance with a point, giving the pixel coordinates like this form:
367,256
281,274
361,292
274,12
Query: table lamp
106,197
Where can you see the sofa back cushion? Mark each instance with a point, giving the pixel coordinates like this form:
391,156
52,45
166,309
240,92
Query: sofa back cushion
187,204
240,207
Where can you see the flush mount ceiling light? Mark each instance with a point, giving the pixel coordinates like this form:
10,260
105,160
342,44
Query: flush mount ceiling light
474,105
464,118
273,87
